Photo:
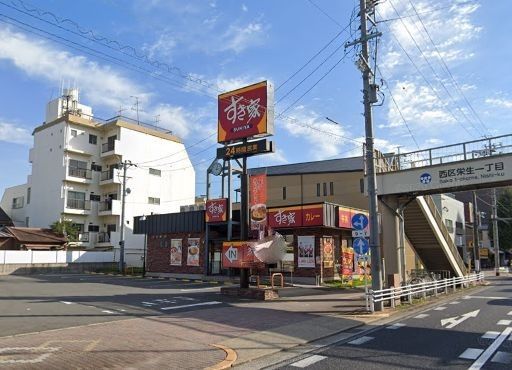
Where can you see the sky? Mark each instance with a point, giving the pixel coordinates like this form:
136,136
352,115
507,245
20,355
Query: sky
442,68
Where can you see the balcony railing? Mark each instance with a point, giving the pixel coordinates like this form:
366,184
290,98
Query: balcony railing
107,147
79,204
103,237
83,237
107,175
80,173
106,205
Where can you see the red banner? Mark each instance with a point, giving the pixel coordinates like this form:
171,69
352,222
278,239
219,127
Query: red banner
258,189
345,218
244,113
313,215
216,210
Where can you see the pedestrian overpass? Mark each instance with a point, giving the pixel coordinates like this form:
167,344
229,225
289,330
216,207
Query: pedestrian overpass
405,183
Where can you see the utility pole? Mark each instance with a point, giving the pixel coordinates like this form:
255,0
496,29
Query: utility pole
476,242
495,236
124,191
369,97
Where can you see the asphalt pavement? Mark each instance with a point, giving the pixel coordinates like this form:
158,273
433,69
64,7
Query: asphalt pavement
473,331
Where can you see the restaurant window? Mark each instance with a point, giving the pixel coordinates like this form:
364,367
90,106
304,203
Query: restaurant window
318,189
331,185
325,189
284,192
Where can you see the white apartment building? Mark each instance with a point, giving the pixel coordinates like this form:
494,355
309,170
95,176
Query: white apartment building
76,176
452,212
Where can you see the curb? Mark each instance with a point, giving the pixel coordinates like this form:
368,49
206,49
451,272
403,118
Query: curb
185,280
227,362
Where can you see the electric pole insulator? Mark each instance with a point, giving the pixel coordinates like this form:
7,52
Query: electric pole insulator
374,88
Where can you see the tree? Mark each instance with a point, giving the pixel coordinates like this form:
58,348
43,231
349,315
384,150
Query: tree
504,227
66,228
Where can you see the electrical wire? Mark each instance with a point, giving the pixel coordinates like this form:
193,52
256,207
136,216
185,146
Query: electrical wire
486,129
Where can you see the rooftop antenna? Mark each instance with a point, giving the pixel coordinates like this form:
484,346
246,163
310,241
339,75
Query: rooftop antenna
120,111
136,108
157,119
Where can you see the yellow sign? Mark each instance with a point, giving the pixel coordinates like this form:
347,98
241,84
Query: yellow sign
484,253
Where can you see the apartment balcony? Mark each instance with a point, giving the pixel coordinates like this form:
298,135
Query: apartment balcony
110,149
109,177
78,207
111,207
80,175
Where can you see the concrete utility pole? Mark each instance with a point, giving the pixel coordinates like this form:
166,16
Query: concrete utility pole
495,236
369,97
124,191
476,242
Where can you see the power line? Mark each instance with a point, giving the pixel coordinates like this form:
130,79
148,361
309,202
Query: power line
430,65
325,13
447,69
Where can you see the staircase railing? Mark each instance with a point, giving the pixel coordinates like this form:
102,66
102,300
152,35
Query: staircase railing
446,234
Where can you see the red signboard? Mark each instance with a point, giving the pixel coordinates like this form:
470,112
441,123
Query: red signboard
216,210
246,112
345,217
237,254
258,189
313,215
285,217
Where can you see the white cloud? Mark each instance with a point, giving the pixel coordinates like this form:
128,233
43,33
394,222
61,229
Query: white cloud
499,102
324,139
12,133
163,47
240,37
101,85
245,8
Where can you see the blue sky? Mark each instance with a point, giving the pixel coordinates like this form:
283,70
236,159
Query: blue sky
457,89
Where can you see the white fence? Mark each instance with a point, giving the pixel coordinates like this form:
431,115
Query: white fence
33,257
420,290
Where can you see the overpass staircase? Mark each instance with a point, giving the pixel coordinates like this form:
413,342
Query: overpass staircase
425,229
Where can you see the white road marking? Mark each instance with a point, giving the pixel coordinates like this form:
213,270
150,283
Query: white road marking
185,298
107,311
148,303
504,322
490,350
483,297
440,308
421,316
65,302
454,321
510,313
471,353
454,302
308,361
491,335
190,290
395,326
360,340
191,305
502,358
29,351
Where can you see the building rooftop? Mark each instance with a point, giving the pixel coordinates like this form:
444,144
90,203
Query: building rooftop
4,218
35,235
352,164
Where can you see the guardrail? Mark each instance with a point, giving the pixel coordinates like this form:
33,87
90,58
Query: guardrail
420,290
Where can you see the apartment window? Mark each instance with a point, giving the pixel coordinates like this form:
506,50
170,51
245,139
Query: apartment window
325,189
95,197
154,171
17,202
79,227
27,219
74,133
29,190
78,169
331,186
163,243
93,139
76,200
152,200
449,225
96,167
93,228
284,192
318,189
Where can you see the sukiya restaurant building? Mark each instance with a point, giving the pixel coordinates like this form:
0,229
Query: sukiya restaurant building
310,204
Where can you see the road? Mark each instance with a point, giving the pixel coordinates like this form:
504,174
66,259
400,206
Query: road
42,302
471,332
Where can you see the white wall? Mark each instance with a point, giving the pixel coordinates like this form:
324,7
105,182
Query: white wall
17,215
32,257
